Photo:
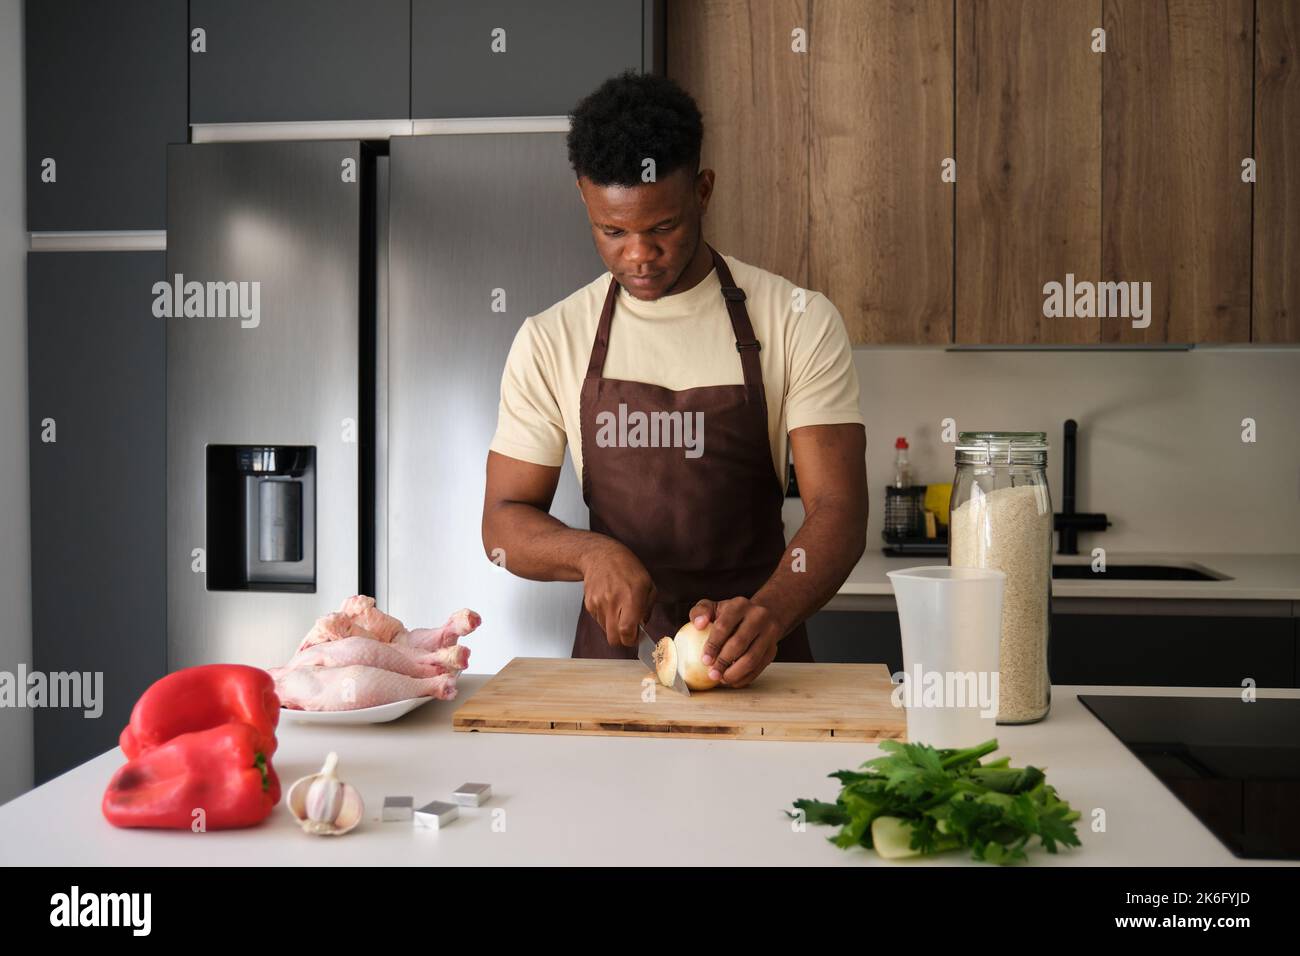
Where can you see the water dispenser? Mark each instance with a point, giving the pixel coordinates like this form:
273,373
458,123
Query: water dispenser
261,517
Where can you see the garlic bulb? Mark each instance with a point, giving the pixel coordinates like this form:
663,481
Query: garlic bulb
323,804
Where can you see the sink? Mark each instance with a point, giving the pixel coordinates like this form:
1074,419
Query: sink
1138,572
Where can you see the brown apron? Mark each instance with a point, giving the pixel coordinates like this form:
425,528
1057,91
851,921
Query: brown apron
704,527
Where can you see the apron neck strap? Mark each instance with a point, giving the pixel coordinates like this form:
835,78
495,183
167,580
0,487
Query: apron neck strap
734,299
746,344
600,346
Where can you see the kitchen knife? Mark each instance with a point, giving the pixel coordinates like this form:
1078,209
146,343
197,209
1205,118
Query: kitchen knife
645,650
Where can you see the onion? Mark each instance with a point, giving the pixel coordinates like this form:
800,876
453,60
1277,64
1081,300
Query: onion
681,655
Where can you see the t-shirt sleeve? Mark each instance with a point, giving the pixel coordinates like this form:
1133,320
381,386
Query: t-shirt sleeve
530,426
823,383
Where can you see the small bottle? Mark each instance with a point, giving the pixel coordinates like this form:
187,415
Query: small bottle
900,512
902,470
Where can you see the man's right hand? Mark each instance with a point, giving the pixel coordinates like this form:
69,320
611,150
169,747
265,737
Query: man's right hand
617,591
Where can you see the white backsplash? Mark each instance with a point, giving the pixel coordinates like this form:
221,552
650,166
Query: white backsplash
1160,447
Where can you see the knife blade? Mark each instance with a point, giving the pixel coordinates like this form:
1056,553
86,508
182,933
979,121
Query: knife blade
645,651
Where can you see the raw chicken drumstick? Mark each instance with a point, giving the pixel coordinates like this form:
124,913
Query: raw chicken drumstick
358,657
358,617
397,658
354,687
458,625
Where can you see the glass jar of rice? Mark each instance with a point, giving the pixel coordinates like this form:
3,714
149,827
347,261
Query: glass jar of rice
1001,518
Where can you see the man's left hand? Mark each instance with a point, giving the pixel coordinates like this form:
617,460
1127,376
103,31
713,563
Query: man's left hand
742,641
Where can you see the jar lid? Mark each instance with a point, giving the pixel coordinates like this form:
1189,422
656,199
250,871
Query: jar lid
1002,448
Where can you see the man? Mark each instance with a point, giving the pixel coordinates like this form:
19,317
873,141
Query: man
675,379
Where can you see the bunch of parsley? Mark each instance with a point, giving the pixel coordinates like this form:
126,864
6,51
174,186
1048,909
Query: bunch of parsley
950,800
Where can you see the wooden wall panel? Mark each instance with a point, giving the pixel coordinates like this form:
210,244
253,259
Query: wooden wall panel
1028,166
880,234
1277,191
1176,125
735,58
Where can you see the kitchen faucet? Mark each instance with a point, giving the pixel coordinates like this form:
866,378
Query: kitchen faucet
1068,521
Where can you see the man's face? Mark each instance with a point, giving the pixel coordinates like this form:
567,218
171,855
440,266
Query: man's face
647,234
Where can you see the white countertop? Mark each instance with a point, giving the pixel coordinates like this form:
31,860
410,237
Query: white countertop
1254,577
609,800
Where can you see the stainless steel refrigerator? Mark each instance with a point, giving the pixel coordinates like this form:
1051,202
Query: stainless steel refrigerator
327,434
470,215
272,301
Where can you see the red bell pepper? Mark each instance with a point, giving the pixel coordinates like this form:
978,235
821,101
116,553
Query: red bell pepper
198,698
221,771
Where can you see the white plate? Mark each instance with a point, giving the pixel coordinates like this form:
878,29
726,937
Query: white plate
366,715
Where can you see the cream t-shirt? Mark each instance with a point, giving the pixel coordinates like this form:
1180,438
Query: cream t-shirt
678,341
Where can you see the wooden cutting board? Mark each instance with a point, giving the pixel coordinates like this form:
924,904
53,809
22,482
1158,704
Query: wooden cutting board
826,702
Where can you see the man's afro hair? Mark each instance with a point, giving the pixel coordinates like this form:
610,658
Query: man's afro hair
628,119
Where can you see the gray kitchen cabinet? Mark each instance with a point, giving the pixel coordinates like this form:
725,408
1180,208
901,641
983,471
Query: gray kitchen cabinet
523,58
856,637
1176,651
95,362
105,89
299,60
1152,650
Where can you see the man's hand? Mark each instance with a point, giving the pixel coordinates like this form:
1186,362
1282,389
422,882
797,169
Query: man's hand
830,460
617,591
742,641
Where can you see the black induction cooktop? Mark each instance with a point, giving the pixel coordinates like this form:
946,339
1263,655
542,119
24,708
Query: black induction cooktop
1236,765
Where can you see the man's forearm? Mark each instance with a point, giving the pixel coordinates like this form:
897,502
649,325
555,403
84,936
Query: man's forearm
533,544
817,561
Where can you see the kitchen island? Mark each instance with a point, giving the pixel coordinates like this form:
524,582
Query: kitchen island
639,801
